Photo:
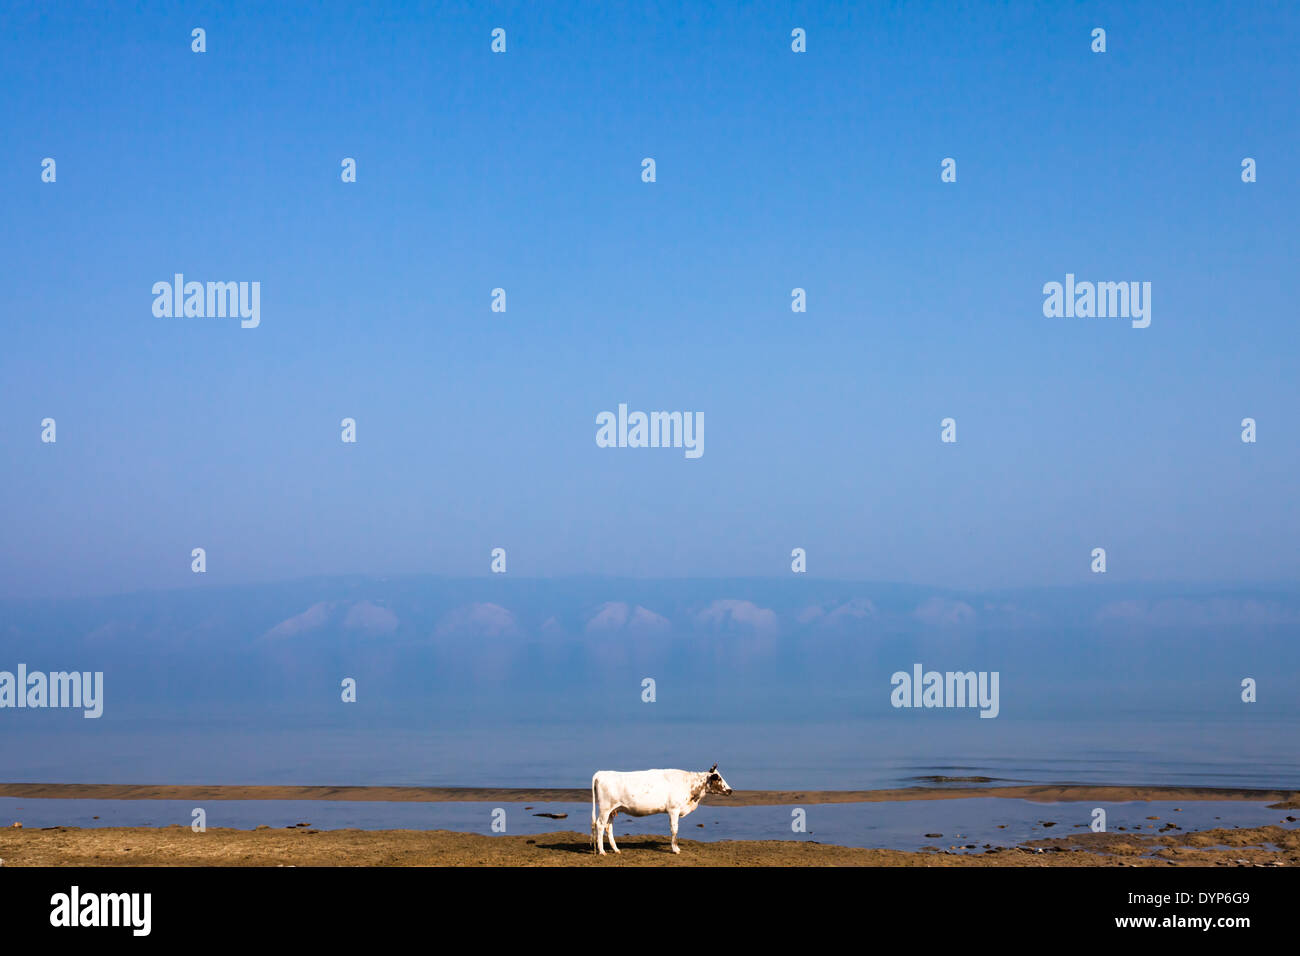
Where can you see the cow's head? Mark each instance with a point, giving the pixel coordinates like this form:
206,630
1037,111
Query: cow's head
715,783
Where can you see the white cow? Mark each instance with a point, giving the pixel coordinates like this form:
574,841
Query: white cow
643,792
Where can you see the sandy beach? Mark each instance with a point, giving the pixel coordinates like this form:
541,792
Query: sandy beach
179,846
304,845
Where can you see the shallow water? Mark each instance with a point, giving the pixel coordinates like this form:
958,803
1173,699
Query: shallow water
900,825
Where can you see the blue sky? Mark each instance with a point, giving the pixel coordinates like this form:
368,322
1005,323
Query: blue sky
522,170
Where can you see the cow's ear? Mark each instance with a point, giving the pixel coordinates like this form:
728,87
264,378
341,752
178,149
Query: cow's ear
713,768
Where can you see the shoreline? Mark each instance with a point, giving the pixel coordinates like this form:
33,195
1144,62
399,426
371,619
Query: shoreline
1038,793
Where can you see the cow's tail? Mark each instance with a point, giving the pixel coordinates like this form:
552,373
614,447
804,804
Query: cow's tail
595,809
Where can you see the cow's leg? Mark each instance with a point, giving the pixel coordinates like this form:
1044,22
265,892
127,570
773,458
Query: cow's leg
672,820
600,832
612,845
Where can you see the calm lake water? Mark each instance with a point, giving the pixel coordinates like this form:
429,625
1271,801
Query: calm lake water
851,754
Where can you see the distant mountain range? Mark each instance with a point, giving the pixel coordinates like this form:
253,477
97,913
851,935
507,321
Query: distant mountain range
760,644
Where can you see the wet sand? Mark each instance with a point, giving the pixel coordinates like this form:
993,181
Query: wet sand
1041,793
179,846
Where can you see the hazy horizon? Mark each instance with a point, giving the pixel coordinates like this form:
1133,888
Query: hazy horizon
797,646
